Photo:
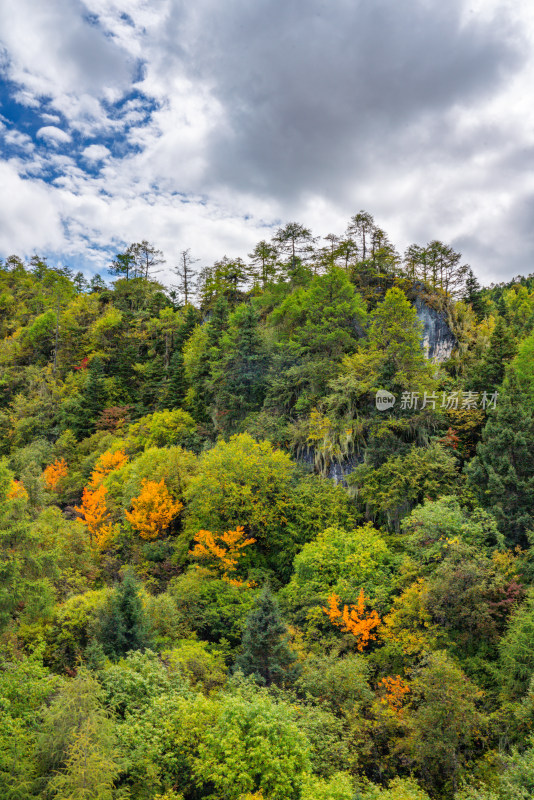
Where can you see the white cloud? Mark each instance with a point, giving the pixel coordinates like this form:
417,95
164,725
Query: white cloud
52,119
95,152
414,112
18,139
53,134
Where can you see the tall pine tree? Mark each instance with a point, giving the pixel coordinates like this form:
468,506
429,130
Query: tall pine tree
266,653
124,628
502,473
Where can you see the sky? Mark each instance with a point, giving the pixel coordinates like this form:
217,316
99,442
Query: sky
207,125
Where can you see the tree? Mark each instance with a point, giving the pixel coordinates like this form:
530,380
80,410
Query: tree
444,700
354,619
238,375
124,627
296,241
397,334
95,515
390,491
222,555
473,294
265,652
502,473
517,651
93,400
186,275
263,263
55,473
123,265
488,372
153,510
226,277
106,463
27,566
341,562
76,746
145,258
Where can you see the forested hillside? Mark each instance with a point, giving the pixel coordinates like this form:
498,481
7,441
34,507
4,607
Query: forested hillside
190,607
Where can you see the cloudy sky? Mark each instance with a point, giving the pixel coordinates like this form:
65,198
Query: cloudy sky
207,124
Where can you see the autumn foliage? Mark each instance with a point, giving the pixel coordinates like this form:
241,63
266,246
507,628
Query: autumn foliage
396,690
153,510
93,510
353,619
95,515
108,462
17,491
221,552
54,473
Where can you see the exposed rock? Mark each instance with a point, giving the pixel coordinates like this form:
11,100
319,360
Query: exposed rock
438,339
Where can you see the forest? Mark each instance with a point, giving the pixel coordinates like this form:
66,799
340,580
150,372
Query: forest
226,573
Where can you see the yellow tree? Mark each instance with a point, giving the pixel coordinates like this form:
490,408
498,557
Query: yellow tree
153,510
223,552
54,473
108,462
353,619
93,510
95,515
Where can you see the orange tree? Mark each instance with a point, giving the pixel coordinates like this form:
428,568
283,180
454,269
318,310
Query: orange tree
353,619
153,510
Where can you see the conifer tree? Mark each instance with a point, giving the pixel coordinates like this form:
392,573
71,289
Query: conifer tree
239,375
502,473
265,651
125,629
93,400
488,373
473,293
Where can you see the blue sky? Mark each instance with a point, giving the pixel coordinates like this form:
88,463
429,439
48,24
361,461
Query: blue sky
205,125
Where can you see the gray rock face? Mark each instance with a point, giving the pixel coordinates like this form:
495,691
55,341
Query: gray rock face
438,339
337,470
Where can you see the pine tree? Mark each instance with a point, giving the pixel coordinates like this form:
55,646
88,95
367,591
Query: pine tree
174,389
124,628
238,376
92,402
265,651
488,373
186,276
473,294
502,473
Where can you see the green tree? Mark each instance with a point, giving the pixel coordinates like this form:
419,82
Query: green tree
76,753
388,492
502,473
488,373
125,627
255,745
517,651
444,700
396,333
263,266
266,653
239,375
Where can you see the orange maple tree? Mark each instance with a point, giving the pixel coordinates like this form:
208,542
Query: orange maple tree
54,473
153,510
95,515
396,691
353,619
221,552
107,463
